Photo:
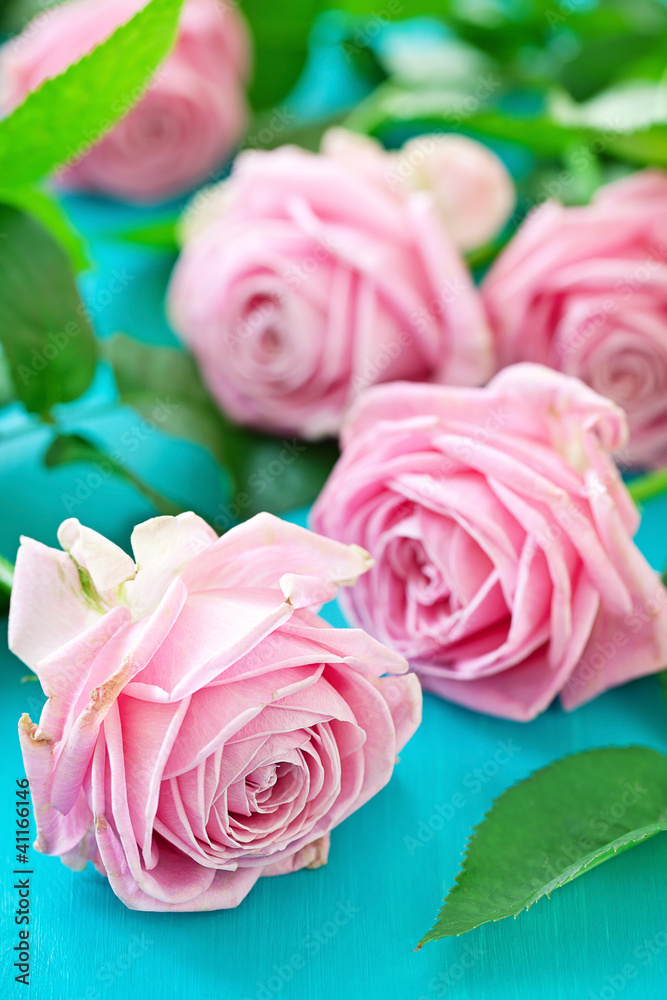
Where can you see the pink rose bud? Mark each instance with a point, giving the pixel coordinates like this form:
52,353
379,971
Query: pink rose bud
185,125
501,531
472,190
584,290
312,281
203,725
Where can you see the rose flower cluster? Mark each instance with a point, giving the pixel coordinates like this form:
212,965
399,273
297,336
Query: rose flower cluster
204,726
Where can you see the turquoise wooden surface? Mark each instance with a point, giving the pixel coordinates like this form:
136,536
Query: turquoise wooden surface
347,930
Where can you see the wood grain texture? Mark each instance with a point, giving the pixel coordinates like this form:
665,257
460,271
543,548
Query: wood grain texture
346,931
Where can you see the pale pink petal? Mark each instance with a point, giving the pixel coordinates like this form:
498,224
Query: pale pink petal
56,833
311,856
163,547
48,606
265,548
106,563
621,648
118,662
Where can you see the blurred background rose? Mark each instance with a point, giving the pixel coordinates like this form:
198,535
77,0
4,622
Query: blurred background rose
584,290
184,127
305,278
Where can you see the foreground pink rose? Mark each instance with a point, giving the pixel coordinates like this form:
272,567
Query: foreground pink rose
186,124
203,725
502,536
584,290
312,282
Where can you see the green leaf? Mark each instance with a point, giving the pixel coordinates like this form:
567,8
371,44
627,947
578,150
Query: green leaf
626,108
552,827
150,377
276,474
44,331
156,235
6,581
69,113
440,108
600,60
662,676
272,129
68,448
280,36
268,473
651,484
45,209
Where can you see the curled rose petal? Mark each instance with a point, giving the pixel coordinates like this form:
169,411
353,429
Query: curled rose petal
203,725
583,290
304,279
505,570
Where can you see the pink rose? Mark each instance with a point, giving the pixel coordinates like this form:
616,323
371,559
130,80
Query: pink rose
584,290
502,536
472,190
314,281
186,124
203,725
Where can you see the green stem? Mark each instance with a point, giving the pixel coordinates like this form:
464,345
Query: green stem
648,486
6,580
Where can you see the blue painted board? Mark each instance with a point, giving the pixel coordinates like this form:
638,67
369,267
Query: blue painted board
347,930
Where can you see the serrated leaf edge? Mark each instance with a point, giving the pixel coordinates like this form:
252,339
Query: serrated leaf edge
583,865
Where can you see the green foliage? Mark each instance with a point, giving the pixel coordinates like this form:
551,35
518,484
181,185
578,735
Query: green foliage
145,374
46,210
44,331
280,36
266,473
70,112
157,235
6,580
554,826
276,474
437,109
69,448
